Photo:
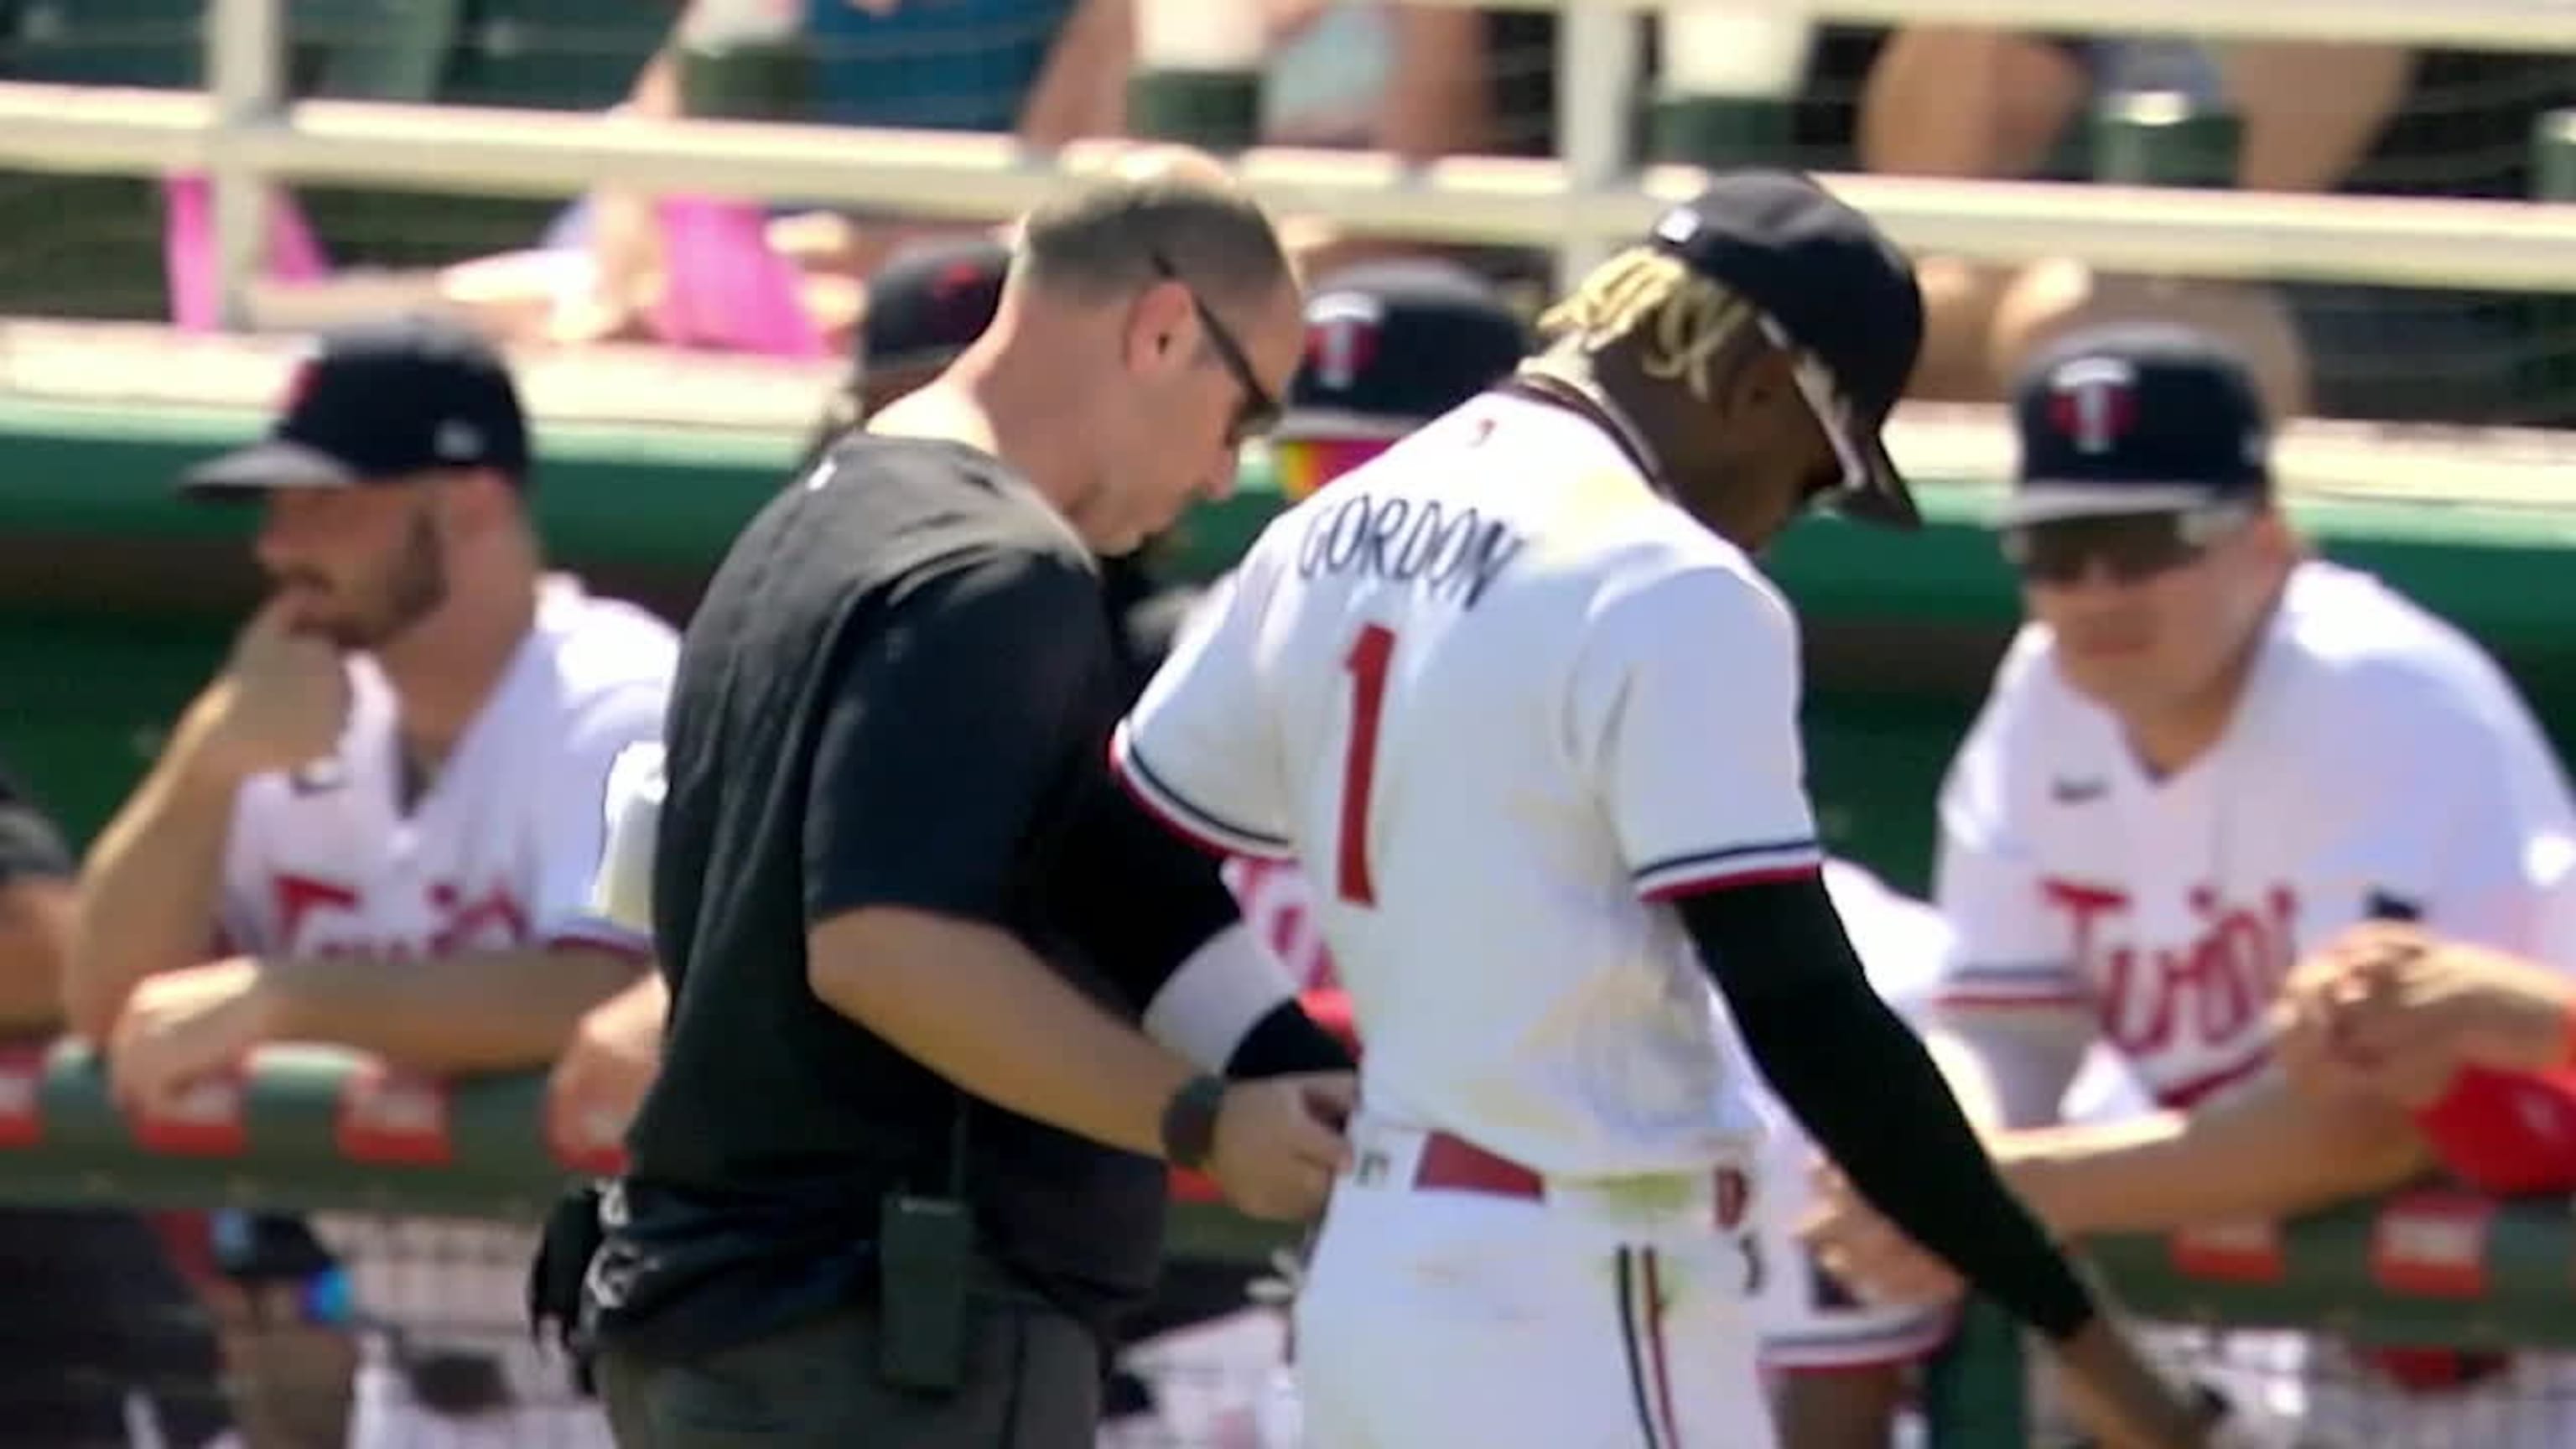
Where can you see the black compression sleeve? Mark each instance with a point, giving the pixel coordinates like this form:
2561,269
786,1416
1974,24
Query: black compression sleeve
1284,1042
1867,1091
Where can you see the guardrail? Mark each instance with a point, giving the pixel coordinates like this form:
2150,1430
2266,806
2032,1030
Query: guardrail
243,133
311,1128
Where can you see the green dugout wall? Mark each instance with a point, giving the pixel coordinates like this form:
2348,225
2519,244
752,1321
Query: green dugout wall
115,600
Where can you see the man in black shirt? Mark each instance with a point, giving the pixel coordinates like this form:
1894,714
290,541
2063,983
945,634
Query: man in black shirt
900,1165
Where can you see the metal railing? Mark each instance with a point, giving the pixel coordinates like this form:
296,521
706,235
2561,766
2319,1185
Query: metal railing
312,1129
242,131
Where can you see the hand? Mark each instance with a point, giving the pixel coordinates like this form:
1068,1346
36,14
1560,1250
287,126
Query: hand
2388,1013
600,1079
1279,1142
281,701
180,1027
1872,1256
2123,1402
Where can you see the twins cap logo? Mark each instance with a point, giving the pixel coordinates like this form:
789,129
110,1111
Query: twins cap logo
1341,337
2094,402
457,441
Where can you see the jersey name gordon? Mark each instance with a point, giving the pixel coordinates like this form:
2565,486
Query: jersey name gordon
331,919
2204,992
1452,552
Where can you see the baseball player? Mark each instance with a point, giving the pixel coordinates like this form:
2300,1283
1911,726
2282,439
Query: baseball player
1390,345
1516,700
1823,1348
2207,754
386,810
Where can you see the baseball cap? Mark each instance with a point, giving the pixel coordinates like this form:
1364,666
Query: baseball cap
927,302
1391,345
1833,288
377,401
2136,418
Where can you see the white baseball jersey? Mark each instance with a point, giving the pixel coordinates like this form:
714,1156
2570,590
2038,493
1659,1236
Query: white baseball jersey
502,850
2376,752
499,853
1499,698
622,895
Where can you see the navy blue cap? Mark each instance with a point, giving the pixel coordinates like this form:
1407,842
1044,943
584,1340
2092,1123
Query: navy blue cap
927,302
1833,282
2136,418
1391,345
377,402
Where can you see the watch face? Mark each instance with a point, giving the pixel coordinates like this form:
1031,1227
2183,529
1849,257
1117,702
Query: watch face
1189,1123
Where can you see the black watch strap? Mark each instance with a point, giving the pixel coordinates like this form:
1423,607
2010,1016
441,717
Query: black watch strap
1189,1122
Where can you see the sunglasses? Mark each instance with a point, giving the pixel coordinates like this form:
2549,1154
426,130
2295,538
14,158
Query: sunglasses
1260,409
1832,412
1304,465
2130,547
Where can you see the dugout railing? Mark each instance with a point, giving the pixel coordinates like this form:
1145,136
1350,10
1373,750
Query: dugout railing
315,1129
243,133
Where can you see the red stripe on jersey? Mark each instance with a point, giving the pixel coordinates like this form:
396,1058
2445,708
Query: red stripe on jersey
625,948
1700,885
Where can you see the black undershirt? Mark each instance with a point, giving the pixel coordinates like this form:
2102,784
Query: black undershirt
1867,1091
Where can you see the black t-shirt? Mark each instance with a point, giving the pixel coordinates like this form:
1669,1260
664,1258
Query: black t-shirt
897,690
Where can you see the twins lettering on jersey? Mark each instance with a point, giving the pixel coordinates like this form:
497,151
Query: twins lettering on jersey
2188,1013
341,923
1452,552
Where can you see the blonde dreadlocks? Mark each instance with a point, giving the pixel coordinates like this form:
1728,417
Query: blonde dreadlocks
1680,319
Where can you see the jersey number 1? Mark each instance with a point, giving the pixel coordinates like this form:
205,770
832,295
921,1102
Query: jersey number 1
1370,654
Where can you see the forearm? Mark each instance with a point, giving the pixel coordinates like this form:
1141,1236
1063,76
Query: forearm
493,1011
1907,1147
971,1003
151,888
1081,92
1809,1018
2270,1154
35,924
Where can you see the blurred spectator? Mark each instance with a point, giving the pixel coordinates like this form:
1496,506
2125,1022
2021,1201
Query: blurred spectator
96,1325
2359,119
377,827
1048,71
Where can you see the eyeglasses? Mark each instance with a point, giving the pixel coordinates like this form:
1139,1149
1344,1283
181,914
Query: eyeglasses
1825,403
1260,410
2132,547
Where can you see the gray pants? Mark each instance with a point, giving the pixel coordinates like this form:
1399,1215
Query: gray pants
1032,1382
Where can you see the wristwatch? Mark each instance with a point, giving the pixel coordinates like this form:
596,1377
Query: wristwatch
1189,1122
